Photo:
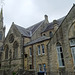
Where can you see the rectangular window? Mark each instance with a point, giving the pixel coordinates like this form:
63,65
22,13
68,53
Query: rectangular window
43,49
60,56
40,67
39,50
44,67
30,51
30,66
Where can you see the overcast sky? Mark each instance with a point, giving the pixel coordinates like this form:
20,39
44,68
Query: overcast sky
29,12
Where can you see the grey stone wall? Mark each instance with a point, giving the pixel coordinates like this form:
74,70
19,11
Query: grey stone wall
61,35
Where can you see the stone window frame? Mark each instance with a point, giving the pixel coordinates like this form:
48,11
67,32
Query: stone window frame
11,38
60,55
15,50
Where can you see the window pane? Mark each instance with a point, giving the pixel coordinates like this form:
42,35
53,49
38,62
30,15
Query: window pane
43,49
60,63
51,34
30,66
44,67
72,42
30,51
58,49
60,55
40,67
73,54
39,49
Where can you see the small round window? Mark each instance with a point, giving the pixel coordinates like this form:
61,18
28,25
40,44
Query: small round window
11,38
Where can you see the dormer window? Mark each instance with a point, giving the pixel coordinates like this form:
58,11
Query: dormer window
44,35
51,34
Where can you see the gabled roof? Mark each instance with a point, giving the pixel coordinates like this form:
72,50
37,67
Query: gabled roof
23,31
34,27
43,38
50,25
26,32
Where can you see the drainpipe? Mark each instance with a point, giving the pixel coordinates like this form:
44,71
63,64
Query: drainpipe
32,58
23,50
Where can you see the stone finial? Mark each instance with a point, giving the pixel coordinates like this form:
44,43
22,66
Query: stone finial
46,17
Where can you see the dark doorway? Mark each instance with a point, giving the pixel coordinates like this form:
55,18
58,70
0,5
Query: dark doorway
40,73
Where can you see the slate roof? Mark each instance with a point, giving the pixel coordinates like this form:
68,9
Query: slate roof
50,25
26,32
34,27
43,38
23,31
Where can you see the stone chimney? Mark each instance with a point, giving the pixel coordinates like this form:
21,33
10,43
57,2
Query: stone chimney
55,24
30,33
46,18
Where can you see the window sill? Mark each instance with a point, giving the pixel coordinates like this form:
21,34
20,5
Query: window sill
61,66
39,54
6,59
30,56
43,53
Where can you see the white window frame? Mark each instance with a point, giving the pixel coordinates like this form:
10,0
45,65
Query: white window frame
72,45
40,67
39,51
59,57
30,51
42,46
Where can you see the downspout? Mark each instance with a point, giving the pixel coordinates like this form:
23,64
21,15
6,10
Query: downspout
32,58
23,50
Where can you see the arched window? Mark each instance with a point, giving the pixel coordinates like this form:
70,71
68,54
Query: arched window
11,38
0,35
6,51
51,34
44,35
60,55
72,45
15,51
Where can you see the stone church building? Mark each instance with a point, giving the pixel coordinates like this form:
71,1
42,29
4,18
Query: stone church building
45,48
